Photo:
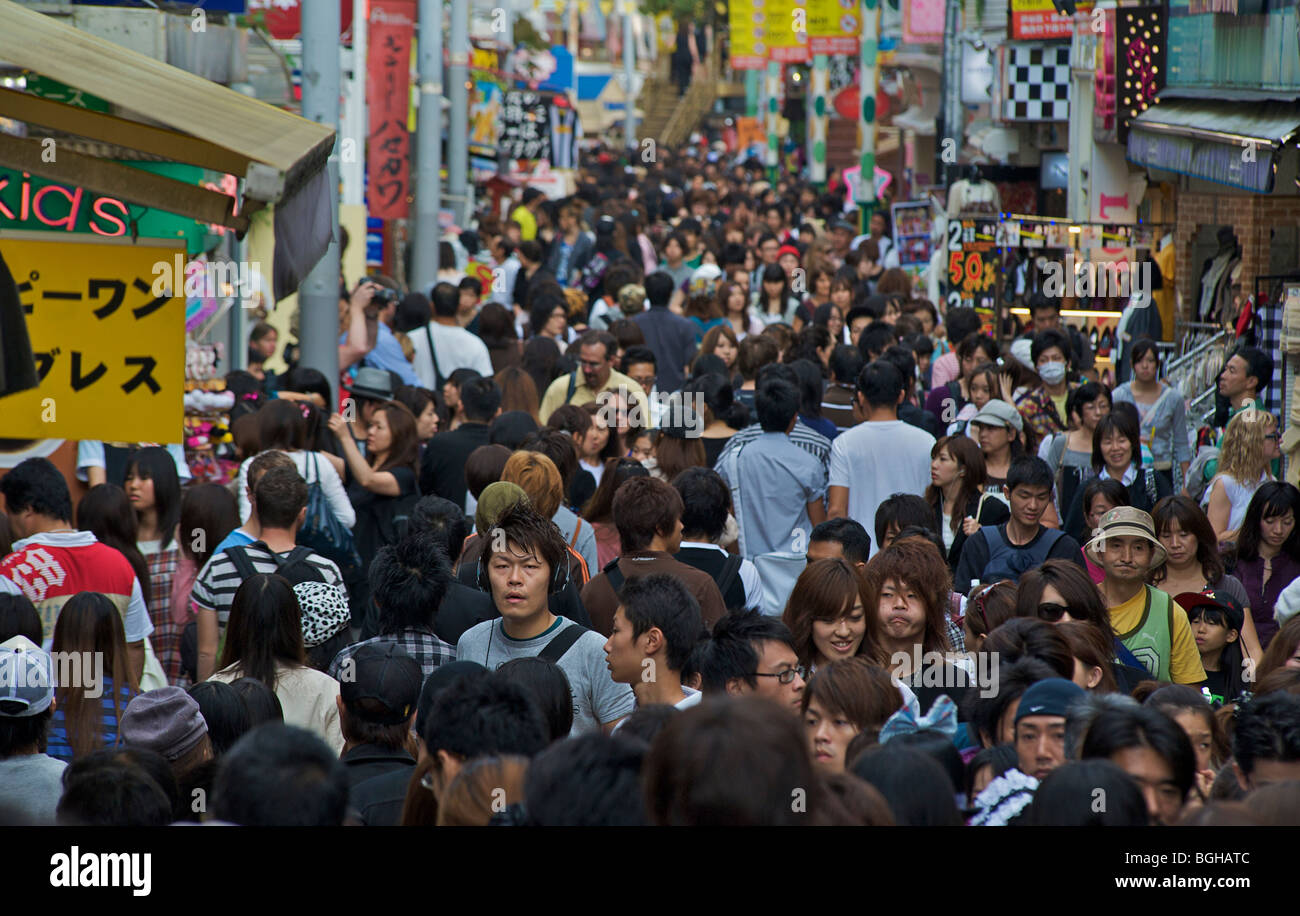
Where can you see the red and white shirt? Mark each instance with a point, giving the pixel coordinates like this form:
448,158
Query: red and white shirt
51,567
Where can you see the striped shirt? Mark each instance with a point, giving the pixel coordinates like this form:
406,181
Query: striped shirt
214,589
59,745
808,439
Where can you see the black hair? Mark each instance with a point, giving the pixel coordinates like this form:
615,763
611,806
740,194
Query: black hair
413,312
408,581
777,403
903,361
811,384
548,685
224,711
260,700
588,781
876,338
880,384
446,300
1122,422
1085,394
478,716
849,534
637,354
1029,471
662,601
18,617
281,776
732,649
845,363
706,500
480,398
1045,340
102,790
1116,729
1140,348
1268,728
903,510
1068,797
659,286
157,464
983,713
511,428
961,322
939,748
647,721
919,792
306,380
18,733
1260,363
1273,498
36,484
999,758
1114,491
444,520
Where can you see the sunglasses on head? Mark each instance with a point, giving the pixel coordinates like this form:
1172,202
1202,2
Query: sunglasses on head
1052,612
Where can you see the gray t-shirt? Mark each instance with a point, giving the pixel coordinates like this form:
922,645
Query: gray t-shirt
596,698
32,785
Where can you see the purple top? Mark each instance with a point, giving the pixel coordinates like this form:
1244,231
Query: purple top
1263,597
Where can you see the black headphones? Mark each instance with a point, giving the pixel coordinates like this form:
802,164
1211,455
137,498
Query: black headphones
559,575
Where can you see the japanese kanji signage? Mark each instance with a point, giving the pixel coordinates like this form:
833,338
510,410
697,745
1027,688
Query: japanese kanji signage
746,20
526,125
110,352
392,26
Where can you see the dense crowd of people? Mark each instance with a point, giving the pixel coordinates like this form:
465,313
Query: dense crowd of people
696,513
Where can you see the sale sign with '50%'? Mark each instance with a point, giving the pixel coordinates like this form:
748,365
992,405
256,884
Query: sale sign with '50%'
109,348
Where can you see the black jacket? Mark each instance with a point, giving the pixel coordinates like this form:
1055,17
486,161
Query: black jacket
378,779
442,469
993,512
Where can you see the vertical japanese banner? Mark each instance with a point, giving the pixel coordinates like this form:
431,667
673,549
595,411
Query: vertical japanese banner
833,26
388,145
817,121
866,196
746,22
107,326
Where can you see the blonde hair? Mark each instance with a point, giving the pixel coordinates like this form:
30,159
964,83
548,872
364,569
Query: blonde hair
536,475
1241,455
482,788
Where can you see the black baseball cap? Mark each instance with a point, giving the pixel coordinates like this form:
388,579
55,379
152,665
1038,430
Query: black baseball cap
1233,612
384,673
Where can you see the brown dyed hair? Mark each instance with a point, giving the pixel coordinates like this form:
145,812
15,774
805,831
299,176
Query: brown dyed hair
756,351
1075,586
968,456
470,799
89,623
644,507
863,693
1092,647
917,563
537,476
676,455
405,450
1282,647
1192,519
827,590
710,341
990,606
518,391
420,809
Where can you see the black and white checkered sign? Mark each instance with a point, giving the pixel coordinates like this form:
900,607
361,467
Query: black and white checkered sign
1037,81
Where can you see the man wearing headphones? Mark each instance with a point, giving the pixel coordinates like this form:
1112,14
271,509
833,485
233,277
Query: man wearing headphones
523,562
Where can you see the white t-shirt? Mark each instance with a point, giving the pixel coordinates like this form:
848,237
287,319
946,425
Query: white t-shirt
877,459
314,467
456,348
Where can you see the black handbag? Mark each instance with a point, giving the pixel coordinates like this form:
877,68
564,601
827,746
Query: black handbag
322,531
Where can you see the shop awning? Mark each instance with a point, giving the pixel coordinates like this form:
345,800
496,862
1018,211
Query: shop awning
174,115
1229,143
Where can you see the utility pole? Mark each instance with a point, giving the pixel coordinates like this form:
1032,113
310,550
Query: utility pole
952,137
817,117
428,149
869,80
458,183
318,294
772,89
629,69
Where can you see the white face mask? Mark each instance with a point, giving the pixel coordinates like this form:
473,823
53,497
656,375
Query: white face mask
1052,373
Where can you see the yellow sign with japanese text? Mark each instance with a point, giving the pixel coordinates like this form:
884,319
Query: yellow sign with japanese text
833,26
110,350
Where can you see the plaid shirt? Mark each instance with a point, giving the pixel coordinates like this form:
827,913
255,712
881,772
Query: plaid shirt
418,642
1039,412
166,636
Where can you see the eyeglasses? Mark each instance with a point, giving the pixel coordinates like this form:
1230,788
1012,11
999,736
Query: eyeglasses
1052,612
788,675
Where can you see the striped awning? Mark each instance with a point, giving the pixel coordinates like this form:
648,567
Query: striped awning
1230,143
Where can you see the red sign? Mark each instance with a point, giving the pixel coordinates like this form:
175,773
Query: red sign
388,91
284,17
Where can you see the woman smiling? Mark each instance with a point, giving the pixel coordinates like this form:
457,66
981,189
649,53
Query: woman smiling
827,615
